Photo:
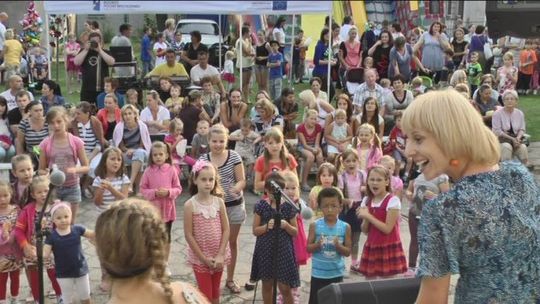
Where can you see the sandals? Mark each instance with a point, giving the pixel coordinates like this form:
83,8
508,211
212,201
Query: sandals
232,286
250,285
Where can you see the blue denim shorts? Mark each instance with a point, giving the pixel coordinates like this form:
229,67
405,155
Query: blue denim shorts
138,155
70,195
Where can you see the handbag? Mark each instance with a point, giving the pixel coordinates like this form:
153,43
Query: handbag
488,53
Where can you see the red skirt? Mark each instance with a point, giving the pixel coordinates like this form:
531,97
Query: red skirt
71,64
229,77
383,259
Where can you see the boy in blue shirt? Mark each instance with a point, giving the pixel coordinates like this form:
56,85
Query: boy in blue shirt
275,58
329,241
146,51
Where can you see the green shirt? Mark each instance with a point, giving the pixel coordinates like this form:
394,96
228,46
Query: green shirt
474,73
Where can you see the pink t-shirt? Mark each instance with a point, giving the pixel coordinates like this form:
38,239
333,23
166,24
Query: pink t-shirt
264,170
353,183
396,183
310,137
63,156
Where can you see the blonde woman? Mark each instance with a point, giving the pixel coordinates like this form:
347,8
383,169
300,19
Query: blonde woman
132,137
13,52
169,30
485,221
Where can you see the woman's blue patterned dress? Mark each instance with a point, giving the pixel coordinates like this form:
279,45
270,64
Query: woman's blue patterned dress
487,230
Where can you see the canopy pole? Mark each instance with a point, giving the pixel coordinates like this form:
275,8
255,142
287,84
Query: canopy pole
47,41
329,67
220,42
291,82
241,47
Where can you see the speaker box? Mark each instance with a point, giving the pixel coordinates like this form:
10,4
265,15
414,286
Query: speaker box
392,291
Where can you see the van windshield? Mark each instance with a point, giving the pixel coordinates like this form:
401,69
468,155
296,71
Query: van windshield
203,28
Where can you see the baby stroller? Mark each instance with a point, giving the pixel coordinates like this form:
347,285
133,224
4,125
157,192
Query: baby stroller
353,78
38,65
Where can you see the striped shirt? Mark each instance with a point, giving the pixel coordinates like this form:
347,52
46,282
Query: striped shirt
132,138
32,137
108,198
86,133
226,174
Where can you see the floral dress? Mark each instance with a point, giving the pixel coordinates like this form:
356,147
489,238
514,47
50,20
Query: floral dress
492,241
506,83
11,257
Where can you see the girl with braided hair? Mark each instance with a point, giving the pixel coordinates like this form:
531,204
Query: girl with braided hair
131,242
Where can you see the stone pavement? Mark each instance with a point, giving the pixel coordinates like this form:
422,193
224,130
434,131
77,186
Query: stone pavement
181,271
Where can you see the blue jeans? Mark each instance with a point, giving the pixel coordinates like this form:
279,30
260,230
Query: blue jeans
70,194
147,66
275,88
6,154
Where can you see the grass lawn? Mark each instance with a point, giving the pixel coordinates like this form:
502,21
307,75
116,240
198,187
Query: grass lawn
530,105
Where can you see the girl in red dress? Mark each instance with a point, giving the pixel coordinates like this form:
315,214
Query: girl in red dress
383,253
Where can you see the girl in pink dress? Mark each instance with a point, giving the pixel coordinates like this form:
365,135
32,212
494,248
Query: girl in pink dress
72,49
206,229
292,189
161,186
507,74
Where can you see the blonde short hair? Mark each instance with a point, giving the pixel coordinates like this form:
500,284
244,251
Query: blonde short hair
266,105
310,112
508,55
459,76
131,107
463,89
307,97
456,125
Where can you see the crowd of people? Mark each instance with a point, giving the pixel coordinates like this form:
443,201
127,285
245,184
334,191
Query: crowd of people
367,131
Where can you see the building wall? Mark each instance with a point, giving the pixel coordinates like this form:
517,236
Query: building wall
474,12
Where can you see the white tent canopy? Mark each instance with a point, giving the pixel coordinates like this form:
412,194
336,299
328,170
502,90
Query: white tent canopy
206,7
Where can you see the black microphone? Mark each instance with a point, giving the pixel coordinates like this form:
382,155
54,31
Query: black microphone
304,210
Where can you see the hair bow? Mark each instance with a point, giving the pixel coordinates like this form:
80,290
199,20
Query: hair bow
199,165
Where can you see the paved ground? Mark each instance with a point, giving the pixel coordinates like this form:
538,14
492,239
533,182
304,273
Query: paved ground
183,272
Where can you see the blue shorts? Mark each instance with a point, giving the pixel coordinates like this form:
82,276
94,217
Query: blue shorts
70,194
138,155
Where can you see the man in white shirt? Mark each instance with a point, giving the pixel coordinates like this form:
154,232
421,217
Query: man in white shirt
348,22
203,69
16,84
370,88
3,20
123,40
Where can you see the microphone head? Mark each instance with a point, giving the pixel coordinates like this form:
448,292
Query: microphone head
307,213
57,177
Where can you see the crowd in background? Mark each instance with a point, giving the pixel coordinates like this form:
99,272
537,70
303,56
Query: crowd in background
346,128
